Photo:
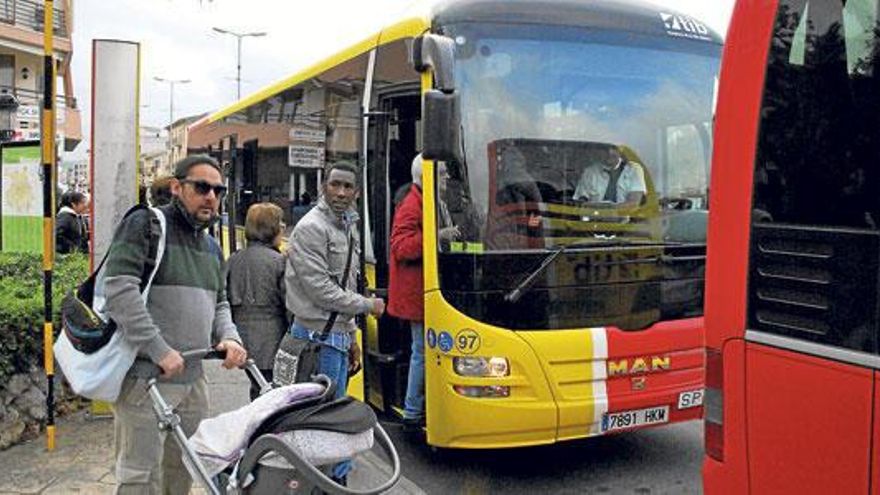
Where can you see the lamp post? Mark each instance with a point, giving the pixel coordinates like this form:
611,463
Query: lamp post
238,37
171,83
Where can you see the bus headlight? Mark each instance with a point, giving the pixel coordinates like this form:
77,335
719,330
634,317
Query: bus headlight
493,367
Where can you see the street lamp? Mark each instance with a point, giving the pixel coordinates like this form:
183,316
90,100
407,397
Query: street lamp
171,83
238,36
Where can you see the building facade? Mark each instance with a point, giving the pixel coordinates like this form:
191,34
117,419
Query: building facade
153,153
178,137
73,175
21,71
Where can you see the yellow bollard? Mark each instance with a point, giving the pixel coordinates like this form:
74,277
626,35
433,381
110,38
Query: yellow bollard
100,409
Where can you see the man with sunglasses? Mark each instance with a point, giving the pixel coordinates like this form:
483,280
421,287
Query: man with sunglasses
187,309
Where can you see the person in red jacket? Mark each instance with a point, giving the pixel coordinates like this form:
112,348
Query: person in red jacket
406,284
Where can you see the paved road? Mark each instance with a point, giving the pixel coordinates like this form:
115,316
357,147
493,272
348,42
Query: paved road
229,390
83,459
659,461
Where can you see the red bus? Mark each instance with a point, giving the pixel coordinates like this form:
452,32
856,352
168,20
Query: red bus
793,370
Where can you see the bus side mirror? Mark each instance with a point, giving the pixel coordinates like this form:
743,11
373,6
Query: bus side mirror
441,124
441,114
436,53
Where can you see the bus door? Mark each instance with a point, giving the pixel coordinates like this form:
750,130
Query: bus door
245,180
811,340
393,117
230,163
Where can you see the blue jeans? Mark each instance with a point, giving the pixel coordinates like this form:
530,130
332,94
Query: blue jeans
333,362
414,404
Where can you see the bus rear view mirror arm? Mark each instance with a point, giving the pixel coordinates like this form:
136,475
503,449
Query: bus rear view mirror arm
436,53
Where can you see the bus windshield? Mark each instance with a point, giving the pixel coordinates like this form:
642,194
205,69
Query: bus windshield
551,115
592,140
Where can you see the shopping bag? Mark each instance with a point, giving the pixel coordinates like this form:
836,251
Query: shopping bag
98,375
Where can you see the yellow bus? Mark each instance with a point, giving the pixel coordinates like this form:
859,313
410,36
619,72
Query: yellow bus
580,317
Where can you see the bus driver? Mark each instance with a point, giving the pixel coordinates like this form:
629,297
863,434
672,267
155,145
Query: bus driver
614,180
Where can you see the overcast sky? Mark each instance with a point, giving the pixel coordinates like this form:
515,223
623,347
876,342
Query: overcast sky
177,42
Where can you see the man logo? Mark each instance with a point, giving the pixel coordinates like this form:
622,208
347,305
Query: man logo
638,365
685,27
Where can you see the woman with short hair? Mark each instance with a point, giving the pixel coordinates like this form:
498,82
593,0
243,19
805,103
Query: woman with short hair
71,233
256,287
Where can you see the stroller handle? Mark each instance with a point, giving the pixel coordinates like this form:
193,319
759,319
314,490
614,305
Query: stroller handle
207,353
192,355
273,443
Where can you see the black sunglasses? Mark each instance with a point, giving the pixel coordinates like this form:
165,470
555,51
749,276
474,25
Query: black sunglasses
203,187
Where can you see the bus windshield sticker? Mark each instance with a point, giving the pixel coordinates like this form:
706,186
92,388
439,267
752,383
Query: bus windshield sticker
467,341
682,26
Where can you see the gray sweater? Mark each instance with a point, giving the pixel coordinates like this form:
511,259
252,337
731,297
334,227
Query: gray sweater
186,308
316,256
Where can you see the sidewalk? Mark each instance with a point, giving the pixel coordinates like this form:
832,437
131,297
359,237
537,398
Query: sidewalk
82,461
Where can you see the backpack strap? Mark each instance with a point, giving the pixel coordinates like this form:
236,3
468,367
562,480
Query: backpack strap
156,250
156,238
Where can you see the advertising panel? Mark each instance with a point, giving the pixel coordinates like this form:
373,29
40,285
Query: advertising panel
21,199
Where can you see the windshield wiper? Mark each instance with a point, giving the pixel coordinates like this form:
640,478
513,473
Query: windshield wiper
517,292
521,288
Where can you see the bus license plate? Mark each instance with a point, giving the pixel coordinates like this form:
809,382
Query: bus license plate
631,419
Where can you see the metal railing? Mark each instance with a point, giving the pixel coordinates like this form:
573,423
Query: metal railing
30,97
29,14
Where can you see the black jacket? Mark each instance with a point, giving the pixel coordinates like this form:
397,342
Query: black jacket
70,232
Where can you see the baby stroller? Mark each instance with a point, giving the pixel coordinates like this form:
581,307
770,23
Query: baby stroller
285,441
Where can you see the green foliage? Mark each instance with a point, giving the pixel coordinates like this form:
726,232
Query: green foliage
21,305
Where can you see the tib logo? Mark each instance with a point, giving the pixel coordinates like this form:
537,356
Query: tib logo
679,25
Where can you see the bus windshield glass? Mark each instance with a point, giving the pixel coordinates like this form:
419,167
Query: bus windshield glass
577,137
554,119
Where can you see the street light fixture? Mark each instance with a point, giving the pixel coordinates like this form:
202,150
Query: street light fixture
239,36
171,83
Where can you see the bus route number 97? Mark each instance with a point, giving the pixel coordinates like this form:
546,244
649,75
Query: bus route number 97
467,341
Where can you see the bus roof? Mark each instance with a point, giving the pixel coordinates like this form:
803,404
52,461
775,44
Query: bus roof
628,15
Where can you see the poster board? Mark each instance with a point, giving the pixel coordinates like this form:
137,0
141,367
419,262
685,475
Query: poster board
21,197
114,140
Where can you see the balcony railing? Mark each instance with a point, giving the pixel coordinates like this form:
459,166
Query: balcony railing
29,14
31,98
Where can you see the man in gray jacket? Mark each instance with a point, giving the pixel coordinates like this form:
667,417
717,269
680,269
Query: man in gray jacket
317,254
186,309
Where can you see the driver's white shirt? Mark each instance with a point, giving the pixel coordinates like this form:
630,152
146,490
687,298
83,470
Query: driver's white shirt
594,181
